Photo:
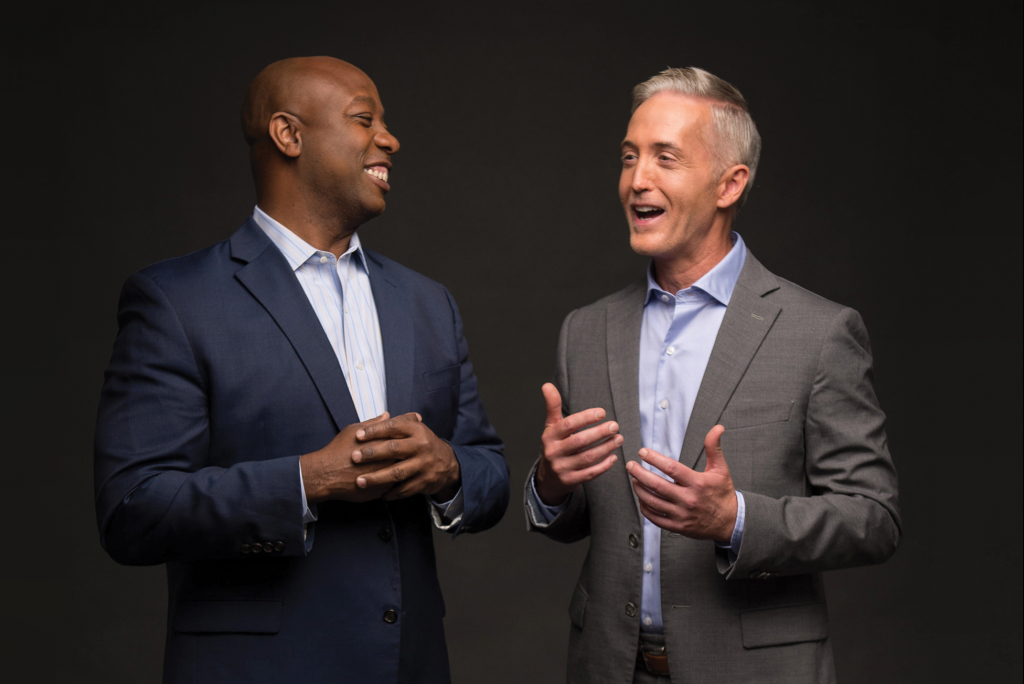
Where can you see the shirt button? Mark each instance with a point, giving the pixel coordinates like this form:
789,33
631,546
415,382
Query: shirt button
359,365
323,260
345,309
648,567
664,403
670,351
665,298
648,621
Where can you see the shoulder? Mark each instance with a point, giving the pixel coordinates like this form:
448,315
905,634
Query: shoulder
417,285
631,296
814,315
196,270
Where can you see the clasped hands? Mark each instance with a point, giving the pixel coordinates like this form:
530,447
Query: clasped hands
694,504
384,457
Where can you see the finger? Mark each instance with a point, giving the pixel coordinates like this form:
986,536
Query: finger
391,427
376,419
552,403
577,442
588,457
653,482
570,424
406,489
578,477
674,469
651,500
403,470
663,521
385,450
713,450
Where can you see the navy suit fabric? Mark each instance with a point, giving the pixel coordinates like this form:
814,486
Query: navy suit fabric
221,377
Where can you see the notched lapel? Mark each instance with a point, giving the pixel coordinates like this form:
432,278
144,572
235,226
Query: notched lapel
624,319
747,321
398,335
269,278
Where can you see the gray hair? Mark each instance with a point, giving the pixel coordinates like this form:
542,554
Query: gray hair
734,137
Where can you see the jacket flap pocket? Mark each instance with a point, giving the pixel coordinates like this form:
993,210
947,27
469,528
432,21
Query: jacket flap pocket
749,415
240,617
784,625
442,377
578,606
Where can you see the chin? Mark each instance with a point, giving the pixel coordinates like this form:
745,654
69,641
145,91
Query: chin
644,244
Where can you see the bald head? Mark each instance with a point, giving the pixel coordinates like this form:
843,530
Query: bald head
298,86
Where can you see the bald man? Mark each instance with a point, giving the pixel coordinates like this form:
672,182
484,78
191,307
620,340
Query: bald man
286,415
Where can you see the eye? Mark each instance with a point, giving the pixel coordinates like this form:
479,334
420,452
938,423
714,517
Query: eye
365,119
628,157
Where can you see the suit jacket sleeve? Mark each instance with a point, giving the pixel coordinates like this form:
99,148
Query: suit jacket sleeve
485,475
157,497
573,522
852,514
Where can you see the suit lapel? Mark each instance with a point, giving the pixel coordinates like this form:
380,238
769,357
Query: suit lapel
269,278
397,333
625,316
748,318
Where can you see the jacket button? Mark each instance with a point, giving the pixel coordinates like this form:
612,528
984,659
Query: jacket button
385,533
633,541
268,547
257,548
630,610
279,546
245,548
390,616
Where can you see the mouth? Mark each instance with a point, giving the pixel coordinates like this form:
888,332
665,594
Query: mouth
379,173
645,214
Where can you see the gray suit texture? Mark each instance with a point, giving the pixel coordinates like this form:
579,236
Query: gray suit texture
790,378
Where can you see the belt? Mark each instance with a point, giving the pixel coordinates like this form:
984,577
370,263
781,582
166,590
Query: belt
653,658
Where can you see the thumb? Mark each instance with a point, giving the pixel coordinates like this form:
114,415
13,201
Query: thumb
553,401
713,450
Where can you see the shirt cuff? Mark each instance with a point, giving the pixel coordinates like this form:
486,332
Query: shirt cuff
543,515
308,515
733,547
448,514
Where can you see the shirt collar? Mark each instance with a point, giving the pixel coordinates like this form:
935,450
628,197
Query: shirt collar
719,282
296,250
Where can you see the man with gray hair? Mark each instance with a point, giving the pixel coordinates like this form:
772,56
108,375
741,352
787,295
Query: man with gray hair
753,449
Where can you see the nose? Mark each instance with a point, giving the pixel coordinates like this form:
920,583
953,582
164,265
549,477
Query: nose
387,142
641,176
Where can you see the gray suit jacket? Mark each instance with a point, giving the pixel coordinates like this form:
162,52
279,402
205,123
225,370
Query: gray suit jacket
790,378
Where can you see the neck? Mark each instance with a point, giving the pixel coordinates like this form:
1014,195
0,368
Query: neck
679,271
324,230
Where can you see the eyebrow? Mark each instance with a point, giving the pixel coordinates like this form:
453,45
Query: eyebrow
363,99
660,145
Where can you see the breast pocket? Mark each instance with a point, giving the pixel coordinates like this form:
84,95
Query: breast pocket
743,415
441,404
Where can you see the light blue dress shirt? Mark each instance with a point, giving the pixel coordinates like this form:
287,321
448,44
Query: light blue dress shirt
676,338
338,288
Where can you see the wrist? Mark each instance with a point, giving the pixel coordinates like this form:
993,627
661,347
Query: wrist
548,488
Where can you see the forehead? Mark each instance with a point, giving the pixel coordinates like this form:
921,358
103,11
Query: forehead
669,117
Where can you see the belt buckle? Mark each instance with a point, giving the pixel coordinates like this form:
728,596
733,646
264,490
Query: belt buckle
661,668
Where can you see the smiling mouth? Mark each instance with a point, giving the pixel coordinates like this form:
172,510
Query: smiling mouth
644,213
380,173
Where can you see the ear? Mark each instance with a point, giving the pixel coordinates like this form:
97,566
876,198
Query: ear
284,132
731,185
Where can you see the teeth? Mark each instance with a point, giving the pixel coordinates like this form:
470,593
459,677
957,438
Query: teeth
382,174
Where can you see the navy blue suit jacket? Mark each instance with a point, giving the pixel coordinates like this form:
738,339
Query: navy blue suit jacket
221,377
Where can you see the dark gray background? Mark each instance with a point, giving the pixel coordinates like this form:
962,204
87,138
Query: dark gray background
890,181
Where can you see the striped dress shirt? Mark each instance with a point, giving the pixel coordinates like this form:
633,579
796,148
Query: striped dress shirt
339,291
